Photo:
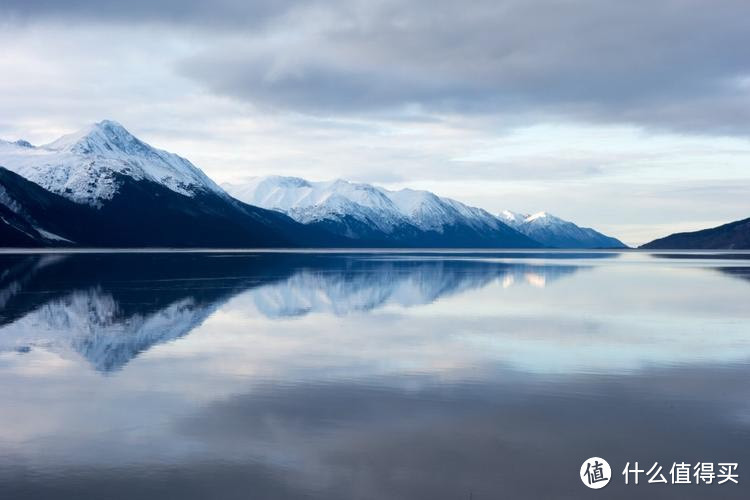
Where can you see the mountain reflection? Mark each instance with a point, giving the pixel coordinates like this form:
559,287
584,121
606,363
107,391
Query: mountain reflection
108,308
367,284
737,272
367,376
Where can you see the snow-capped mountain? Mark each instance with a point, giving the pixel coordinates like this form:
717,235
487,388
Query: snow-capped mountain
356,209
104,187
554,232
88,166
379,216
310,202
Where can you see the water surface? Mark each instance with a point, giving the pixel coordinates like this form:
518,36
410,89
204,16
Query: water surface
369,375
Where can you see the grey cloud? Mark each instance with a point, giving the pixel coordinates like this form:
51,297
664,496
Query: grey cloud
675,64
196,13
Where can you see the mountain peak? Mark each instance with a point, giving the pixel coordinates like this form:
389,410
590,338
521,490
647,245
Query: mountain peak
512,218
103,138
107,123
19,143
110,128
538,215
85,166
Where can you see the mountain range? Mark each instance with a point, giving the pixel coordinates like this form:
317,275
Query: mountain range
407,217
103,187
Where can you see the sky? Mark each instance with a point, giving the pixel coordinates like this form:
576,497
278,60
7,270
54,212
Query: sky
629,117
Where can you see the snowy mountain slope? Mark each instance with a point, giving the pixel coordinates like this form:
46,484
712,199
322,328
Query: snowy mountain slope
354,207
31,216
309,202
554,232
513,219
104,187
369,213
82,166
141,214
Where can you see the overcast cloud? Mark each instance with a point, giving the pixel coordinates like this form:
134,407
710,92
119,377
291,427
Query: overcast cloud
527,98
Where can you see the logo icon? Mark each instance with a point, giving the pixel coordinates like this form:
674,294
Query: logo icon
595,473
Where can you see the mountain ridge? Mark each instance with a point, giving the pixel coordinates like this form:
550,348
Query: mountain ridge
730,236
553,231
378,216
345,205
141,214
102,186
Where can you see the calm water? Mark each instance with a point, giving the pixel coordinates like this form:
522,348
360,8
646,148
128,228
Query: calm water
369,376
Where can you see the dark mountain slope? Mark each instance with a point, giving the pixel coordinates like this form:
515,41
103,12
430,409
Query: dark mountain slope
734,235
143,214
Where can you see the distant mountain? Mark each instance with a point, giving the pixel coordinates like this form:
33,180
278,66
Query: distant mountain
408,217
731,236
378,217
554,232
104,187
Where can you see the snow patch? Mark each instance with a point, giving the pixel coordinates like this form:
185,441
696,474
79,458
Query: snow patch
51,236
7,200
